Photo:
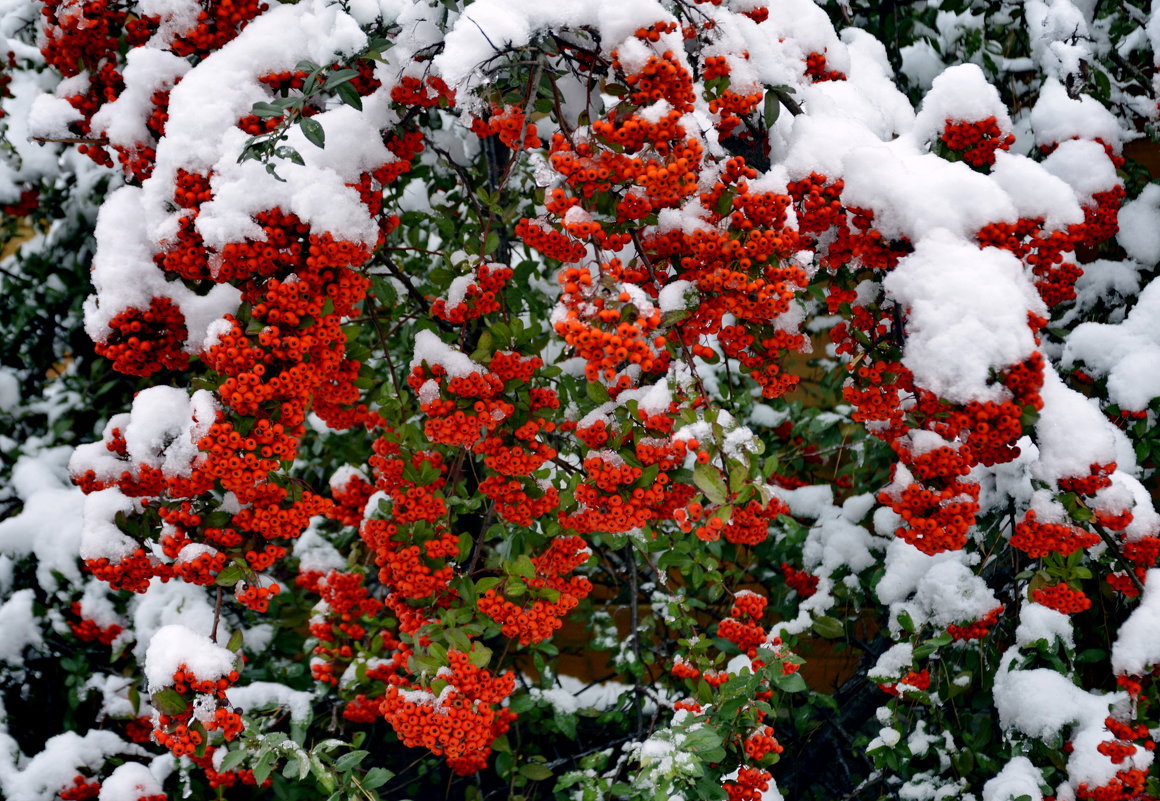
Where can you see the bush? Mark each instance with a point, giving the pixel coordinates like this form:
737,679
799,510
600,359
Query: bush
580,400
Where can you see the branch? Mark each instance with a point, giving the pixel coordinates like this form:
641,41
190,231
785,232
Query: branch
415,294
68,140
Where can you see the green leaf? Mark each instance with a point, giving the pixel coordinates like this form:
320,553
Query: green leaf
267,110
828,627
709,481
536,771
480,655
458,640
522,566
289,153
701,738
236,641
339,77
348,762
349,95
598,393
790,682
312,130
724,203
169,701
217,519
231,574
376,777
772,108
263,768
233,759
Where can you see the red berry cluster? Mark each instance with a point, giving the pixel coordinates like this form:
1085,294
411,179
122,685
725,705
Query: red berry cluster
458,716
978,629
183,733
89,630
1062,598
539,620
976,141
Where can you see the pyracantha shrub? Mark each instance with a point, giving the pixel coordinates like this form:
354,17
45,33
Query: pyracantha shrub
605,400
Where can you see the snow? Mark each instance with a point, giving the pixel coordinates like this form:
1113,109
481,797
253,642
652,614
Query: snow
167,604
811,502
1035,192
488,24
1041,702
913,194
1084,166
1137,645
939,589
9,391
50,117
966,315
1038,622
677,295
54,767
175,645
1017,778
653,399
125,276
100,536
1127,354
129,782
572,694
1139,220
260,694
960,94
921,63
147,70
51,504
1059,35
836,540
165,427
20,626
431,349
966,320
894,662
1071,433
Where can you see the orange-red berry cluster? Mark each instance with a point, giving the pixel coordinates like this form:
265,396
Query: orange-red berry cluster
542,617
184,735
1062,598
458,716
976,141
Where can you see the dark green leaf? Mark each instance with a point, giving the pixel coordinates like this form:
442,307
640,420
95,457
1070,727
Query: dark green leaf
347,762
312,130
708,480
536,771
169,701
349,95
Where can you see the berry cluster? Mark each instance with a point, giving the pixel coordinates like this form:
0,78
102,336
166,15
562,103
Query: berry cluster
976,141
186,733
458,716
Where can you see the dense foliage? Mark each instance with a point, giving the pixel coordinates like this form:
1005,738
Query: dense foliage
596,400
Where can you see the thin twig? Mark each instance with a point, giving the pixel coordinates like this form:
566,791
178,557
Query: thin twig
1129,568
217,615
630,559
68,140
415,294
